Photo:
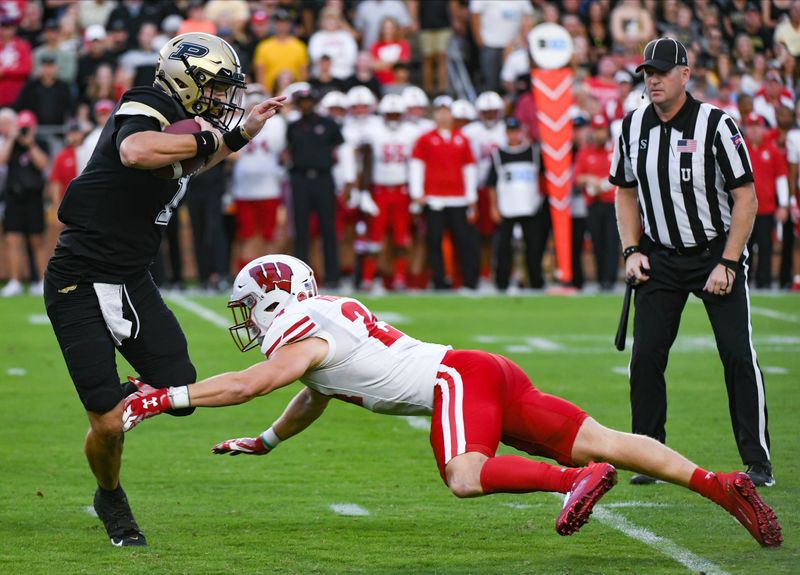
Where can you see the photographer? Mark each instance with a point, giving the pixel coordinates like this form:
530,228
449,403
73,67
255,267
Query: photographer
26,157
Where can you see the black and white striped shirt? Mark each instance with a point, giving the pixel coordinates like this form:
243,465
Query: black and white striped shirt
684,170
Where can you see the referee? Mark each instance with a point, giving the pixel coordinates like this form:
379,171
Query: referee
685,208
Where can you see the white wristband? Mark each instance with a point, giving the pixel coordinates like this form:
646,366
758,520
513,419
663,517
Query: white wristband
179,397
270,439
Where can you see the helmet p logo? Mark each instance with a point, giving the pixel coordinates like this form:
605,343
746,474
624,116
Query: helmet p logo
188,49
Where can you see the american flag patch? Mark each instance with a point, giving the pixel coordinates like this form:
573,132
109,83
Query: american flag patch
736,139
687,146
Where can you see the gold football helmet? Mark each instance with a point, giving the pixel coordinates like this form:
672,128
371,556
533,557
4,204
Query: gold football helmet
202,72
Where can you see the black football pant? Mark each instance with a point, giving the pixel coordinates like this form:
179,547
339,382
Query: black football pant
659,304
787,255
316,194
762,239
605,242
534,231
464,242
156,349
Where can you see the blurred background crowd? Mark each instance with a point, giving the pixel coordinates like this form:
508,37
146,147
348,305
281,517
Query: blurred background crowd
64,64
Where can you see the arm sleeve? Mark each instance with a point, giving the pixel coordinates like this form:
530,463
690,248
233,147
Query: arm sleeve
491,179
782,189
132,124
338,139
347,162
471,183
416,179
622,173
731,154
288,328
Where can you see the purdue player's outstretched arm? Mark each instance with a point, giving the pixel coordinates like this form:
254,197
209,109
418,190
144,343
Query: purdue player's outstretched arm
285,366
251,126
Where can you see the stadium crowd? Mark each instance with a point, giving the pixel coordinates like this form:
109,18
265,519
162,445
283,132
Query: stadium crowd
405,215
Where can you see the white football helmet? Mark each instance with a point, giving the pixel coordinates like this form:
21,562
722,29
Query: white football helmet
392,104
463,110
333,99
360,96
262,290
489,101
415,97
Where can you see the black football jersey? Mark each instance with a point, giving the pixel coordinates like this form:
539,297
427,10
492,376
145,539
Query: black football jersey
115,216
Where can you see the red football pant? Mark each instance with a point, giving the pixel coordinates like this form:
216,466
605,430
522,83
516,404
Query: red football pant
481,399
256,217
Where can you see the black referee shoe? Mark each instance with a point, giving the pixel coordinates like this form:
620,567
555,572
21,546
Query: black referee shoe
113,510
761,474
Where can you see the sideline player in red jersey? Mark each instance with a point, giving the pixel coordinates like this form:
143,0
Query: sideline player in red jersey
338,349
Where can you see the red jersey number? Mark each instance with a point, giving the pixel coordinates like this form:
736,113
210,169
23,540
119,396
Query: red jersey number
379,330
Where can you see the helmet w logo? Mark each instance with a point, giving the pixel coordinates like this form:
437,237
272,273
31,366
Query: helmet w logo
270,276
188,49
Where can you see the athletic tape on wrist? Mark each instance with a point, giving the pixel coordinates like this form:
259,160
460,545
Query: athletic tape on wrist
179,397
270,439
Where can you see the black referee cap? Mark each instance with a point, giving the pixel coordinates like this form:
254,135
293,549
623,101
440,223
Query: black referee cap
663,54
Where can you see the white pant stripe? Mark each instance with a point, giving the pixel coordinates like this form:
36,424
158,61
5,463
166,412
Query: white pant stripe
457,421
445,389
762,420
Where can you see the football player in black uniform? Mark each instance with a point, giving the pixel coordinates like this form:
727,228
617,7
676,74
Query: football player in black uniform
98,290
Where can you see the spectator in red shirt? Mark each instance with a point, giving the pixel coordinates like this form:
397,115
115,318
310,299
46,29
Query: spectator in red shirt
388,50
443,180
16,61
772,95
592,164
603,86
772,190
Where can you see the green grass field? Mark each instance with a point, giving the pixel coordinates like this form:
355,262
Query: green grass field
210,514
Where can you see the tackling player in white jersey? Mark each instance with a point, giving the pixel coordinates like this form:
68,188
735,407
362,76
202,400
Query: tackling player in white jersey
338,349
386,156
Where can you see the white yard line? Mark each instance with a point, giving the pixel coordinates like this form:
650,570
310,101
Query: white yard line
199,310
418,422
38,319
16,371
665,546
773,314
348,509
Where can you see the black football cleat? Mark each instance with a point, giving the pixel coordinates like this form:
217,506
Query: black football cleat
113,510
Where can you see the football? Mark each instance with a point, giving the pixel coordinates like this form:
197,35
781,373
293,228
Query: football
185,167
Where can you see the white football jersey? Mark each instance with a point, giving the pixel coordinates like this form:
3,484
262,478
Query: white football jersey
422,125
484,141
369,363
391,151
257,173
356,130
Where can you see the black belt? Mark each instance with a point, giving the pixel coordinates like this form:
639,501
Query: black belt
686,250
311,173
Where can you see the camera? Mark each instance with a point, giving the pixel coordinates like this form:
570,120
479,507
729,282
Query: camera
24,131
